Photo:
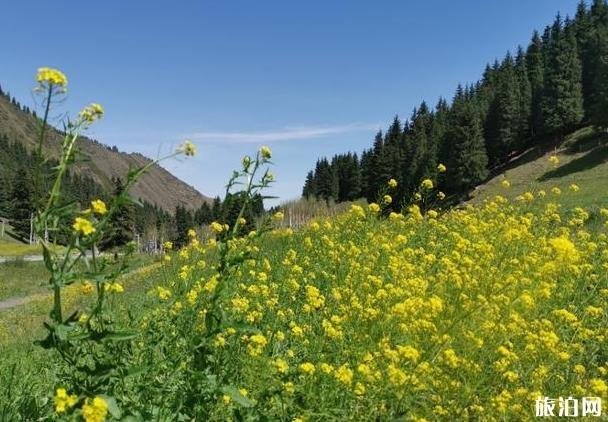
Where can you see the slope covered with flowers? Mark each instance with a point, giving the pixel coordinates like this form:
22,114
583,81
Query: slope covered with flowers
475,313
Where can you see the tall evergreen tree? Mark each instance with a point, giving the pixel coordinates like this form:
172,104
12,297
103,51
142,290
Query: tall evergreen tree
122,222
468,165
309,190
536,72
524,100
502,127
22,204
562,104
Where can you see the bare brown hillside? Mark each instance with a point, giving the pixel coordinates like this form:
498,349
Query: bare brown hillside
102,163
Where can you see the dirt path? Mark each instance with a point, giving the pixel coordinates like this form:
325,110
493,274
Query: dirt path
12,302
28,258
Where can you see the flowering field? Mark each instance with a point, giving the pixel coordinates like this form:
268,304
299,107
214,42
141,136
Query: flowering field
475,313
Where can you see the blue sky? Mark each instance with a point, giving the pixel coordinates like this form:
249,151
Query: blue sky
308,78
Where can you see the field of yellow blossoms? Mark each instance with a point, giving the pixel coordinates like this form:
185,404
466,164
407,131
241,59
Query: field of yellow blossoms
475,313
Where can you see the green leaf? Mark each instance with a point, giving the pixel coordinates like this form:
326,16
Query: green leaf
112,406
120,335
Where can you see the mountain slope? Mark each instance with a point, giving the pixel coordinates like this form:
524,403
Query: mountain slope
102,163
583,160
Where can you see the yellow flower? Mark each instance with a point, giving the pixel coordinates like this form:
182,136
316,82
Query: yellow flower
598,386
281,365
64,401
114,287
556,191
505,183
91,113
387,199
187,148
265,152
344,374
163,293
432,214
392,183
373,207
441,168
216,227
427,184
87,287
564,248
99,207
359,389
553,160
242,221
278,216
256,345
191,233
47,75
574,187
168,245
95,410
83,226
307,368
440,195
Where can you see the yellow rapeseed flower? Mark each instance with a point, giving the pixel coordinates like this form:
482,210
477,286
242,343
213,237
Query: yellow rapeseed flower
99,207
307,368
95,410
392,183
441,168
84,226
505,183
427,184
91,113
216,227
63,400
187,148
50,76
265,152
554,160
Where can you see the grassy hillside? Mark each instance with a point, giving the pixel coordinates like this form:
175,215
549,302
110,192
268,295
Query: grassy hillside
583,160
102,163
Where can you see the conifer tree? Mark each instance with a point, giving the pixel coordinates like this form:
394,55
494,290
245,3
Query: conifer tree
468,165
502,127
309,191
535,68
562,104
122,223
22,205
524,106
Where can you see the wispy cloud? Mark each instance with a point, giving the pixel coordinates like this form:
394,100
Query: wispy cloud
293,133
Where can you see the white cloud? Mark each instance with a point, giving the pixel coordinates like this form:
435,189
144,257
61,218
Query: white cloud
286,134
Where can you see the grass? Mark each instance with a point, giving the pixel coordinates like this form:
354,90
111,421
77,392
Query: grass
14,249
20,278
583,160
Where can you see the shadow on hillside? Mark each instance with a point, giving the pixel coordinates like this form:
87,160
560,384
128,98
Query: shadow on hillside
587,141
593,158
